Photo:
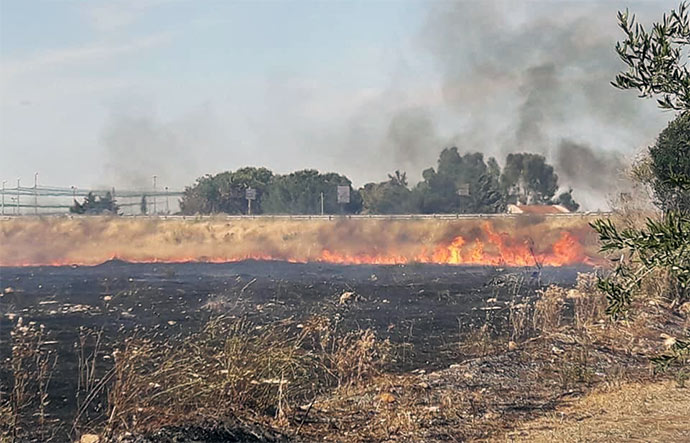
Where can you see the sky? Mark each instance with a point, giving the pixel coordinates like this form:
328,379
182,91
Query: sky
110,93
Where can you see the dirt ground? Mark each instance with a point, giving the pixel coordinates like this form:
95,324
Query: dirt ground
650,412
454,375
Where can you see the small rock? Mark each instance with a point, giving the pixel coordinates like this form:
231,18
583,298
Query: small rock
512,345
346,296
668,340
386,397
685,308
490,415
89,438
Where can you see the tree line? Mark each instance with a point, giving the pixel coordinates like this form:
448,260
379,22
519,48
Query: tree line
461,183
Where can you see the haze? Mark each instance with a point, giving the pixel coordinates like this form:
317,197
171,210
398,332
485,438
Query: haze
110,93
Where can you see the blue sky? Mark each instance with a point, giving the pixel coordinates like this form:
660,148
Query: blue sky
108,93
69,66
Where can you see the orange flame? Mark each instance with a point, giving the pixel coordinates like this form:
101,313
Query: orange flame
503,251
485,246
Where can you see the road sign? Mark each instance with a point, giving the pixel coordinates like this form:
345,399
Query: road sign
343,194
464,189
250,194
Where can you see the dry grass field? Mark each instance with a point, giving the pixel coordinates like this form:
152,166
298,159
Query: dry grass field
649,412
516,241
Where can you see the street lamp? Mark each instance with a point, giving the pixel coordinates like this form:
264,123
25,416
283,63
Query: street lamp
3,196
36,193
154,195
18,212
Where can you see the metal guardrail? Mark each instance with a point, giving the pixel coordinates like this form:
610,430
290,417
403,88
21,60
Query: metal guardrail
317,217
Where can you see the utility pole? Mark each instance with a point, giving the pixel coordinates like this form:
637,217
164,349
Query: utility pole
167,207
322,203
3,196
154,195
18,211
36,193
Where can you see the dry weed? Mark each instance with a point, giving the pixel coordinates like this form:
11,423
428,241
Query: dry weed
590,302
31,366
234,368
519,315
548,309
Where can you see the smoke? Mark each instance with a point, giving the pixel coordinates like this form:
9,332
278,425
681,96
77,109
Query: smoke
489,76
595,173
411,132
529,76
592,169
137,145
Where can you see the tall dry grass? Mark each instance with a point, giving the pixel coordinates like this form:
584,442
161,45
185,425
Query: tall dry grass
94,240
548,309
24,400
233,368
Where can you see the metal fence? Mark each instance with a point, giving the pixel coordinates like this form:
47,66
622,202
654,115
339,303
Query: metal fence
46,200
265,217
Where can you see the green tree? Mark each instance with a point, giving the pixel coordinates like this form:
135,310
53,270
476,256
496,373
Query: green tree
225,192
300,193
389,197
143,207
670,158
656,59
528,179
566,200
463,184
94,204
661,249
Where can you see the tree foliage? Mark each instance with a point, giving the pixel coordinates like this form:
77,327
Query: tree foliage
662,247
94,204
566,200
389,197
225,192
300,193
670,164
461,183
143,205
528,179
656,58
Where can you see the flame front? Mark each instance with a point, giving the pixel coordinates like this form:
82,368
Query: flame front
466,242
502,251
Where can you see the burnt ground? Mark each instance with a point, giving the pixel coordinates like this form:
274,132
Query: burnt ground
428,308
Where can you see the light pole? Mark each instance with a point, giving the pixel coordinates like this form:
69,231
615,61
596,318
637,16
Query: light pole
18,212
154,195
3,196
36,193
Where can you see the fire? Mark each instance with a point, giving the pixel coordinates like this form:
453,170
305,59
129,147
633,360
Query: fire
356,242
505,251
